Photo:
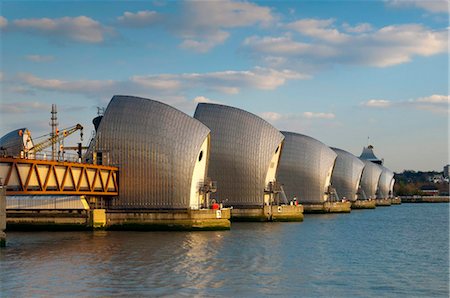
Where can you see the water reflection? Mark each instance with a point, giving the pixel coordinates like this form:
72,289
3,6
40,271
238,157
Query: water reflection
392,251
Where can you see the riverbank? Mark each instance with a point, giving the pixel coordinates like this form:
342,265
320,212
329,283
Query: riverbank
426,199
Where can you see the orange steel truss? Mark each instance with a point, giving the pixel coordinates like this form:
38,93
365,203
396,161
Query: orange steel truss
45,177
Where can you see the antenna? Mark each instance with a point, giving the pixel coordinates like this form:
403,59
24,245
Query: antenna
100,111
368,141
54,125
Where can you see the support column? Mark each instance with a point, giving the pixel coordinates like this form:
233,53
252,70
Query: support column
2,216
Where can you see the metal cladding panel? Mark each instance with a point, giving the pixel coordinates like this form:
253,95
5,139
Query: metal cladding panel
12,143
46,202
304,167
391,187
384,184
369,179
346,174
242,146
156,148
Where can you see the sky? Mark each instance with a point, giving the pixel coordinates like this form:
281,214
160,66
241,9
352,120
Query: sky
347,73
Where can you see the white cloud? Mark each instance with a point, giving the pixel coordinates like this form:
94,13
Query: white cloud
318,29
438,104
3,22
433,6
203,99
286,46
203,23
80,29
157,82
434,99
22,107
275,117
320,44
359,28
225,14
312,115
377,103
271,116
82,86
209,42
230,82
39,58
139,19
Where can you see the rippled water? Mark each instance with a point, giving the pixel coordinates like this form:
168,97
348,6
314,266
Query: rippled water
391,251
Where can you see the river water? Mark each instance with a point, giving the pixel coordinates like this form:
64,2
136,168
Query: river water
391,251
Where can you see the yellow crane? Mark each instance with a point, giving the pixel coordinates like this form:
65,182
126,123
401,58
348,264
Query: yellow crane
58,137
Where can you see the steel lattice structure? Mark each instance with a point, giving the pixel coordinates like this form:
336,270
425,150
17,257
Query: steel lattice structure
45,177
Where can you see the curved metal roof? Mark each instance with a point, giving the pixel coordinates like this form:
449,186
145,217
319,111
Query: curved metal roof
346,175
12,143
156,147
369,179
385,182
242,148
305,168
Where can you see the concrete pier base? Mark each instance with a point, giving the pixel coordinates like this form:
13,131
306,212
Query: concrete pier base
396,201
57,220
268,213
2,217
97,218
328,207
364,204
182,220
47,220
383,202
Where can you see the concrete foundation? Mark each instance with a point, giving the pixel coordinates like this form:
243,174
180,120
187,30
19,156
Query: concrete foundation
2,217
48,220
396,201
97,218
364,204
328,207
268,213
383,202
118,220
183,220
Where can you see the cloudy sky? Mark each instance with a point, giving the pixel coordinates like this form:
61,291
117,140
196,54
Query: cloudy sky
339,71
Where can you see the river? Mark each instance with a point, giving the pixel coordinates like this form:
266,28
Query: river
391,251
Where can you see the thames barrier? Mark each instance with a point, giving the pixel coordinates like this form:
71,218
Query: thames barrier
150,166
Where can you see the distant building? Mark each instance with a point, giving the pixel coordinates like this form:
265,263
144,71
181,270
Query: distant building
447,171
368,154
429,190
436,179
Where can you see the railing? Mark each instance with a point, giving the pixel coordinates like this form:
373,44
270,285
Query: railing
46,177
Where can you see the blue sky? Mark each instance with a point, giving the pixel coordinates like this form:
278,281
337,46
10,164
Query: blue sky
339,71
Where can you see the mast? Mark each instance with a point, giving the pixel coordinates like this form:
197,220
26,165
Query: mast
54,125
